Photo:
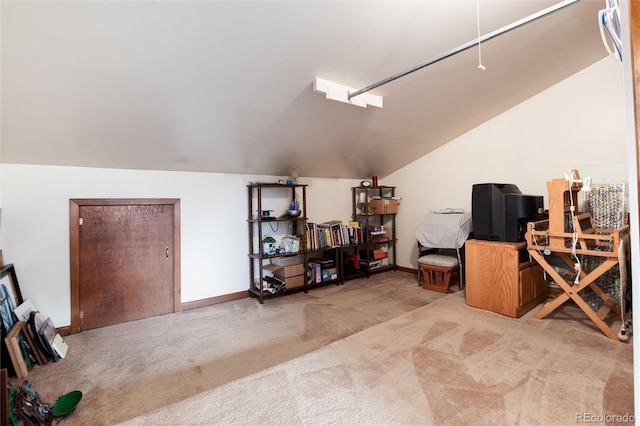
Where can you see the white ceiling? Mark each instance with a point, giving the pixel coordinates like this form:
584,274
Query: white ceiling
218,86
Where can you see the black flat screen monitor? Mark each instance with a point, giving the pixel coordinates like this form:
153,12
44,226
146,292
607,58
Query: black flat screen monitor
500,211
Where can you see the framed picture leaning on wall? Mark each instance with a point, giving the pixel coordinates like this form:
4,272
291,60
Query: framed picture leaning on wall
10,296
13,343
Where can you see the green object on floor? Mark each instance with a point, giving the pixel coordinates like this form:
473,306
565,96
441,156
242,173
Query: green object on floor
66,403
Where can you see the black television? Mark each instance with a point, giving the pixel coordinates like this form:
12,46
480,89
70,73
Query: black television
500,211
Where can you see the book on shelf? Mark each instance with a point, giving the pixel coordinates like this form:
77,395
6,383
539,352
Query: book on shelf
376,230
381,239
315,272
374,264
354,231
313,242
327,234
335,233
324,263
377,234
324,236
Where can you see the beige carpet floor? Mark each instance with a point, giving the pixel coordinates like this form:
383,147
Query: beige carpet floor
374,351
134,368
442,364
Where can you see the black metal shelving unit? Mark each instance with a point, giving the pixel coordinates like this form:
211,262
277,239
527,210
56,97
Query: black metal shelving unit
361,197
259,261
256,222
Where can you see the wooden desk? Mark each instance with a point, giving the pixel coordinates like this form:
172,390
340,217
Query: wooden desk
498,281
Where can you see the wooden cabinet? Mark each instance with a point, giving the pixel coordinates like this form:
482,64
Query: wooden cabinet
500,278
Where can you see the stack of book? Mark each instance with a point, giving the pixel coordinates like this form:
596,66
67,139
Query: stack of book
333,233
377,234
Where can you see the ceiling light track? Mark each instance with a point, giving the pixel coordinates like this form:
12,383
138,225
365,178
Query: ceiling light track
467,45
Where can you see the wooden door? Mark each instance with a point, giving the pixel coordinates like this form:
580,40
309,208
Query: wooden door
124,261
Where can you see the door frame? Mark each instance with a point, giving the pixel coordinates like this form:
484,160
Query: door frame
74,245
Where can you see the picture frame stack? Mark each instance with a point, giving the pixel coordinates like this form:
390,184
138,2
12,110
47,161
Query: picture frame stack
15,348
28,337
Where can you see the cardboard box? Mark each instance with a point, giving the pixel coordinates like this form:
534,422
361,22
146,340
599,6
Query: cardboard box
269,269
289,271
333,272
294,282
380,254
383,206
284,261
329,274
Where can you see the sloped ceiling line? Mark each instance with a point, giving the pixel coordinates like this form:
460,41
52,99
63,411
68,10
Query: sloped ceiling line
467,45
137,85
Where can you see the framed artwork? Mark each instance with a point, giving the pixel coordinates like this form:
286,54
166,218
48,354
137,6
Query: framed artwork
10,296
8,276
15,344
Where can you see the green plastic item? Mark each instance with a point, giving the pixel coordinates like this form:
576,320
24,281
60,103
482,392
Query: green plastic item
66,403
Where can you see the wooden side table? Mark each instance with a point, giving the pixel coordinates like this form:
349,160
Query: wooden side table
501,278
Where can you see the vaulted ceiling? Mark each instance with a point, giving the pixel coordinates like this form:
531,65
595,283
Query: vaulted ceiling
226,86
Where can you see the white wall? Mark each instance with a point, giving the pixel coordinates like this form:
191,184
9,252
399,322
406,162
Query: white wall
578,123
35,234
